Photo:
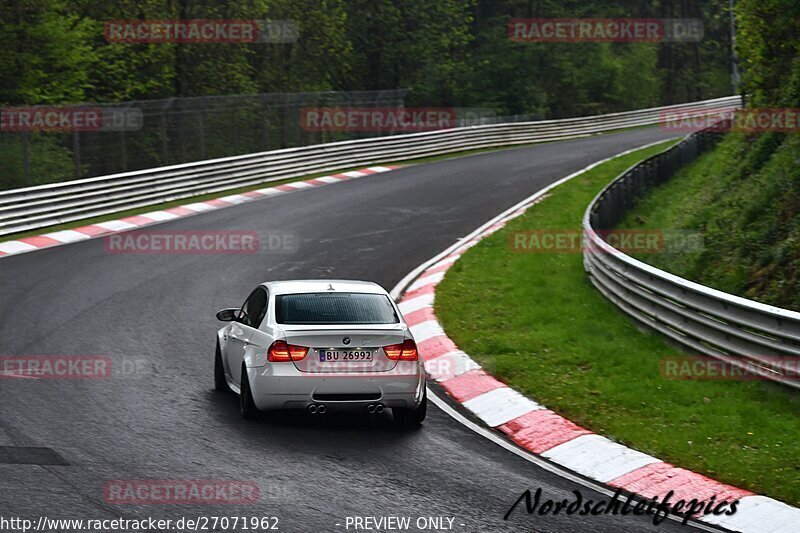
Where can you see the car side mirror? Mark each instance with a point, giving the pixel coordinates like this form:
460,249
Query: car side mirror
227,315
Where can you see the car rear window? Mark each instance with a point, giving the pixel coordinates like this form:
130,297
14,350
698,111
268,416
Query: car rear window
339,308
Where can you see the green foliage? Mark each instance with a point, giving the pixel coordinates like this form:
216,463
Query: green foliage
745,199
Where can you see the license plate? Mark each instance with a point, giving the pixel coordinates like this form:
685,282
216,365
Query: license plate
344,356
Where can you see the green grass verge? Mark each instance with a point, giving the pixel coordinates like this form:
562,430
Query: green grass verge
201,198
744,198
536,322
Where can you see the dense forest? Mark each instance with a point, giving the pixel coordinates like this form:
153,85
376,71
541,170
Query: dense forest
448,52
418,53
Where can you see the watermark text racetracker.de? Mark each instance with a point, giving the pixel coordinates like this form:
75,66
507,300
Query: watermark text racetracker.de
627,241
752,120
596,30
69,119
201,31
392,119
760,367
201,242
46,524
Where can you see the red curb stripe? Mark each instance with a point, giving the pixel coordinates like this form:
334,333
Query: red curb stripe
316,182
419,316
440,268
285,188
426,289
216,202
341,177
3,253
470,385
39,241
137,220
435,346
540,430
180,211
368,171
657,479
253,194
92,231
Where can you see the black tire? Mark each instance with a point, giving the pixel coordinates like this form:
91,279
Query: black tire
246,404
411,418
220,384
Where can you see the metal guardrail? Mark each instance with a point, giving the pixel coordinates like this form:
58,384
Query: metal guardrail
750,336
37,207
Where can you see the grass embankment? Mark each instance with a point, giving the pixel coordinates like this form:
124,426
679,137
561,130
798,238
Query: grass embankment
535,321
744,197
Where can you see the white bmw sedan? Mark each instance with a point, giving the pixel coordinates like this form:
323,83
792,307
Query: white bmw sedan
320,346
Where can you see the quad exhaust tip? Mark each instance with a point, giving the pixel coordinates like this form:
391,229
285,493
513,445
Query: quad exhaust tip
374,408
317,409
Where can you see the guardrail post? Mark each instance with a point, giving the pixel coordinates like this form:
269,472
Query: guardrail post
76,153
26,157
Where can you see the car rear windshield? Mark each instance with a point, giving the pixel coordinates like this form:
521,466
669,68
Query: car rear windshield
331,309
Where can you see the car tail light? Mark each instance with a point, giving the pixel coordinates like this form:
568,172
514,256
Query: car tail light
407,351
280,352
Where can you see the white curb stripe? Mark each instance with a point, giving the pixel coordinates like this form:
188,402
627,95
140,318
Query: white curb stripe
13,247
67,235
235,199
199,207
427,280
426,330
268,191
759,514
160,216
329,179
500,405
450,365
597,457
353,174
415,304
299,185
115,225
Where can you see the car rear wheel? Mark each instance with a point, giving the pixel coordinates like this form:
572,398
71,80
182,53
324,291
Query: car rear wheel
219,373
246,404
409,418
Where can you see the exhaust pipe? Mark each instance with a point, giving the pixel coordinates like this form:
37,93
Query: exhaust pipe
322,409
379,408
371,408
312,409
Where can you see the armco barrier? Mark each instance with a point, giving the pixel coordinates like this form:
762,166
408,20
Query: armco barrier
37,207
748,335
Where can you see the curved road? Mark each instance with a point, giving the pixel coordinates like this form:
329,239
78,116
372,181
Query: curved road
157,417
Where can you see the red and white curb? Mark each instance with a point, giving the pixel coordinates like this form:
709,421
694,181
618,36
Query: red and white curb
30,244
541,431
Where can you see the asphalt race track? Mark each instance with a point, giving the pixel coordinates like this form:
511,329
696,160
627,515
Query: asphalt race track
157,417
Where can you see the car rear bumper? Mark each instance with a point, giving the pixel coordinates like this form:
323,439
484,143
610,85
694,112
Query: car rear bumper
281,386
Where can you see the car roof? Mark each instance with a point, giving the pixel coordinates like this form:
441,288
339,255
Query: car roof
322,285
